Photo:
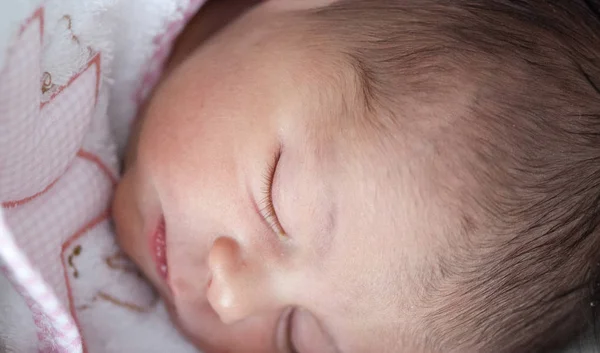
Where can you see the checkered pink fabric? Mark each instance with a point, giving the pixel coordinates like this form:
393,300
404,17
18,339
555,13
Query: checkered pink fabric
58,169
23,143
55,329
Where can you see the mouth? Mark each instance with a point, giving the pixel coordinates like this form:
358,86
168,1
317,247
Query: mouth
158,249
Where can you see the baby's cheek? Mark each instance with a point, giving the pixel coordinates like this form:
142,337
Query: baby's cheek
202,328
200,324
129,228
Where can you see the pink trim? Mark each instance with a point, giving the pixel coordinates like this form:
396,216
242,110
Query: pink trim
11,204
94,61
91,157
83,154
163,42
37,14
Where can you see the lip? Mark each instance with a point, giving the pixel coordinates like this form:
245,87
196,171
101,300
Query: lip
158,248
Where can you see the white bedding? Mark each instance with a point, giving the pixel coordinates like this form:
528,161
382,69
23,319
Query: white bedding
72,74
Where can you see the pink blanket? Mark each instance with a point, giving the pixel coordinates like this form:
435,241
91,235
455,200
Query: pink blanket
72,74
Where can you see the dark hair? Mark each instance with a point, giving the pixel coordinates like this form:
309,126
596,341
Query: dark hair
525,279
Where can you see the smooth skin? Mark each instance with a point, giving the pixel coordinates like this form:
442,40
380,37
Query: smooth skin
283,227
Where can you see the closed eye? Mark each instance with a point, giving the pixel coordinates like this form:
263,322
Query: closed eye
267,209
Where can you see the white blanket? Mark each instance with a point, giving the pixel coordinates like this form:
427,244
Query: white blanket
72,74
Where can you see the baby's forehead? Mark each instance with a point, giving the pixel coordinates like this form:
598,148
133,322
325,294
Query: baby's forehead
320,95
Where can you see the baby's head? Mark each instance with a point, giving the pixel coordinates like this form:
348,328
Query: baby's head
405,176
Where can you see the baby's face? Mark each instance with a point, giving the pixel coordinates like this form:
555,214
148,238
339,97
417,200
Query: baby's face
269,204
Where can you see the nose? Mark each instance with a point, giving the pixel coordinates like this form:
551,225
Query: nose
239,287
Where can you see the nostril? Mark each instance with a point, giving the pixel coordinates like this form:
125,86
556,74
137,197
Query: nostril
209,281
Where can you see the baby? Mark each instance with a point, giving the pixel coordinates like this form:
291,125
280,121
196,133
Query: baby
393,176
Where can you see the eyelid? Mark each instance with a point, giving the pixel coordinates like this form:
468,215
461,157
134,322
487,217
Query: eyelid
267,208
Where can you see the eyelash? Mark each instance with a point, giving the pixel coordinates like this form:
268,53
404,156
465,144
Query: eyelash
267,208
